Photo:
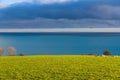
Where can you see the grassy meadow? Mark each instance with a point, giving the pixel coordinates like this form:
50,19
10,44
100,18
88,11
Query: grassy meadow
60,68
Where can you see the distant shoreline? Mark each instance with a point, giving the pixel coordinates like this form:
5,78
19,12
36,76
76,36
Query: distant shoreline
34,30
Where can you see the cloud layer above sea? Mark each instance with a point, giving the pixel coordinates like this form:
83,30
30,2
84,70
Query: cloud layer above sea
61,14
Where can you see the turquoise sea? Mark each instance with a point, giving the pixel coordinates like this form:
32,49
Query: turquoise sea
61,43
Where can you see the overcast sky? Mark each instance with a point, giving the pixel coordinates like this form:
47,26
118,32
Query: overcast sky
59,13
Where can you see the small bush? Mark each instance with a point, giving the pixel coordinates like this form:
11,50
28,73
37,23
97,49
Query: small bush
107,53
21,54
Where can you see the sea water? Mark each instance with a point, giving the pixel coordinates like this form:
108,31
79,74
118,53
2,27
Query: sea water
61,43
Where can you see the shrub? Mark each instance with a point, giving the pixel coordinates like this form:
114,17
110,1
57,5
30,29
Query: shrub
107,53
21,54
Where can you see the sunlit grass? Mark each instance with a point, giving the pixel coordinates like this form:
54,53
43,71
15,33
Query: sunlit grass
60,68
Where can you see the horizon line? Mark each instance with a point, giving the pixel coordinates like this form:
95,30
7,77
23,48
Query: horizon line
21,30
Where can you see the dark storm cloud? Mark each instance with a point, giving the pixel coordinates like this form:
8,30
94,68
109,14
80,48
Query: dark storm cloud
91,9
81,13
59,23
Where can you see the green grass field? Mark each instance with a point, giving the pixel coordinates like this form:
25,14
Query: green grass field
60,68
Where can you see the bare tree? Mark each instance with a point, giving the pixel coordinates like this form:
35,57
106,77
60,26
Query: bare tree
1,51
11,51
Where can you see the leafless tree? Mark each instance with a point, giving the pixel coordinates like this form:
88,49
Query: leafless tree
1,51
11,51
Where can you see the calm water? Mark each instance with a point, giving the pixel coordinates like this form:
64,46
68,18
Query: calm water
61,43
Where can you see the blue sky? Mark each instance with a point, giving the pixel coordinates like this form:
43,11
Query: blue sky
9,2
59,13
